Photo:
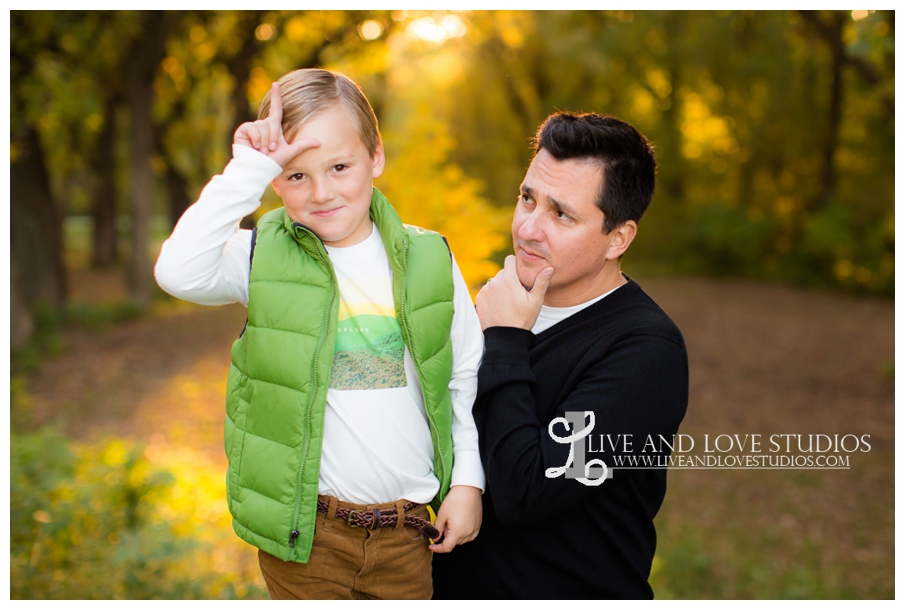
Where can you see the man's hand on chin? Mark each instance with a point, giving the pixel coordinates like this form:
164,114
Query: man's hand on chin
503,301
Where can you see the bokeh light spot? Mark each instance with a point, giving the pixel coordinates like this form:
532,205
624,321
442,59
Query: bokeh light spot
370,30
265,31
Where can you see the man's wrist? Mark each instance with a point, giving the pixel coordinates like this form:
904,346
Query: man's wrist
506,344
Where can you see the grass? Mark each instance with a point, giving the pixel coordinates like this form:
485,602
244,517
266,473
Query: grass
767,535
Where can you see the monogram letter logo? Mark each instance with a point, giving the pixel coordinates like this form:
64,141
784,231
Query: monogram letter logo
590,473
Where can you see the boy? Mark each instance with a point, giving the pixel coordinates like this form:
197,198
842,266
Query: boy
350,391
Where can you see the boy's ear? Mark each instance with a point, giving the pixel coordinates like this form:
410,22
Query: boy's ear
276,189
378,161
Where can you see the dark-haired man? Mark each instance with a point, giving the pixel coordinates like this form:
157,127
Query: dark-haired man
572,345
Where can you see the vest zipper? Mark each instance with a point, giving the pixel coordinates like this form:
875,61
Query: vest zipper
294,534
435,435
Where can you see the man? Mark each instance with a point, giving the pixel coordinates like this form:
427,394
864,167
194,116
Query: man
566,332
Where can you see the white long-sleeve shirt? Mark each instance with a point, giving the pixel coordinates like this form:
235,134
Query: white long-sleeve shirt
377,446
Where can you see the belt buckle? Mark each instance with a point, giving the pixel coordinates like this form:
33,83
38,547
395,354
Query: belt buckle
349,517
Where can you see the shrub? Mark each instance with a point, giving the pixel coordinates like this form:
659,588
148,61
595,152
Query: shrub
101,520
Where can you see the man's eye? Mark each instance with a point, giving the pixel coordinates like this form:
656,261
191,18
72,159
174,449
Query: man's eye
563,216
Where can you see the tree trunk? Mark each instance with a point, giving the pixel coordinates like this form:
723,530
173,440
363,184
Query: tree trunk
177,191
239,66
831,32
673,173
105,251
140,183
831,142
37,273
21,325
147,53
36,237
177,188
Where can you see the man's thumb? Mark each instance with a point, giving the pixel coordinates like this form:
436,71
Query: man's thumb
541,283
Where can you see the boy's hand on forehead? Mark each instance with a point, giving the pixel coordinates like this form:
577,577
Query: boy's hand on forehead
266,135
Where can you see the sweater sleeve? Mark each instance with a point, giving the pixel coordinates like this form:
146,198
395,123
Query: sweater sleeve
637,388
468,345
206,259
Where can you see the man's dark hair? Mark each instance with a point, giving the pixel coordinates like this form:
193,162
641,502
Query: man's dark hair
625,156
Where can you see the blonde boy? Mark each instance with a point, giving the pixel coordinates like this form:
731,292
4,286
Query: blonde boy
350,390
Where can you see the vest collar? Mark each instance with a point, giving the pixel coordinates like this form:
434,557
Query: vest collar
392,232
389,224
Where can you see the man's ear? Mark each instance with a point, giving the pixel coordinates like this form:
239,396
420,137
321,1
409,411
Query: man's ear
622,237
276,189
379,160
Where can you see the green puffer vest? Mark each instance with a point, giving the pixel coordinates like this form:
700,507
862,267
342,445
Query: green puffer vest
277,388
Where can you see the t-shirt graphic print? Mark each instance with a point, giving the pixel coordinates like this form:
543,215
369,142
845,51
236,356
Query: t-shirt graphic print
369,353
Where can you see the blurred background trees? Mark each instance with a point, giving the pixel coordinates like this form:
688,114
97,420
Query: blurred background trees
774,130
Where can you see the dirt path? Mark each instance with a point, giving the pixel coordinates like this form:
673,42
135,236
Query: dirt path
774,360
763,357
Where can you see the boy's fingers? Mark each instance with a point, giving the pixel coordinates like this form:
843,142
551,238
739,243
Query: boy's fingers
275,119
274,132
300,145
264,134
440,524
276,103
448,544
254,135
242,134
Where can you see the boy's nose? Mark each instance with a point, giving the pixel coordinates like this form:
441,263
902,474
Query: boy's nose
321,191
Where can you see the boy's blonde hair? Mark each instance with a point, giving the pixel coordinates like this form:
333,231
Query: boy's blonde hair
307,92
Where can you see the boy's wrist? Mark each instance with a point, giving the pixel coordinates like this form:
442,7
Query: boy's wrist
468,470
248,155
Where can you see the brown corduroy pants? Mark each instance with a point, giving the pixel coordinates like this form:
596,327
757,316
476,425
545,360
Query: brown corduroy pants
355,563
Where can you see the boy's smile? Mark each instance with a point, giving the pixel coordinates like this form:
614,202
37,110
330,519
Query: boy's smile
328,188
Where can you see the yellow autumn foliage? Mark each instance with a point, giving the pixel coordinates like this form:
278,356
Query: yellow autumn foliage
431,192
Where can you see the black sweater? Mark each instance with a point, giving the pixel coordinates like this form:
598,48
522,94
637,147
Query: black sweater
625,360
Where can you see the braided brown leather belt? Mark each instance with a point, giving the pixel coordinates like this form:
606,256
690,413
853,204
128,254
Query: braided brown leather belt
374,518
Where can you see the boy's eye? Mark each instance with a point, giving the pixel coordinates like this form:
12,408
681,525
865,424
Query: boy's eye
296,177
340,167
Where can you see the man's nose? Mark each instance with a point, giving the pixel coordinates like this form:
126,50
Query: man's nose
531,229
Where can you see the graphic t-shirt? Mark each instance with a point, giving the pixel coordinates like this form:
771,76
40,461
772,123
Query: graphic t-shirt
369,346
377,443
